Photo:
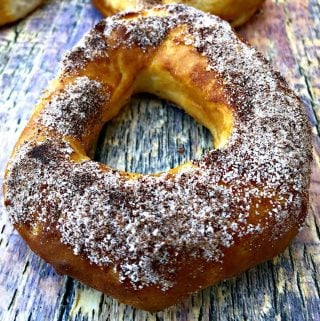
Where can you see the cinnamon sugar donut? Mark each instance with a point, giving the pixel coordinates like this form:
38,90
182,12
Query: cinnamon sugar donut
12,10
237,12
151,240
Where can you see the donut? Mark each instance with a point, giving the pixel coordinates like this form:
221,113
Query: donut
150,240
237,12
12,10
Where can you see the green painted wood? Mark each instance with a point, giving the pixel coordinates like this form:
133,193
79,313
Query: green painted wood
150,135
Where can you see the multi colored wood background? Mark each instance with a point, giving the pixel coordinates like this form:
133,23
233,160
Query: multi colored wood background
149,136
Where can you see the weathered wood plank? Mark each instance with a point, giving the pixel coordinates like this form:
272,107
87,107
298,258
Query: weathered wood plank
29,56
151,136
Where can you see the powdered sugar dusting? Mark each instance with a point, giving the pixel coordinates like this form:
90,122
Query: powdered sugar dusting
145,227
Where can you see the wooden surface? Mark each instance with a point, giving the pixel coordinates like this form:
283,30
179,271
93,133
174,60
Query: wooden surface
150,136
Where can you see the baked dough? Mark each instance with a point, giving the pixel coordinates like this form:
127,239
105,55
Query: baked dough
237,12
12,10
151,240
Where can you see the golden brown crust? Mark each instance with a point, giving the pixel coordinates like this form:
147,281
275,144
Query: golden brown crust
151,240
12,10
152,298
237,12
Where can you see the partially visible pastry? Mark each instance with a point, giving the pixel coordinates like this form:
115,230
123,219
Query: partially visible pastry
237,12
12,10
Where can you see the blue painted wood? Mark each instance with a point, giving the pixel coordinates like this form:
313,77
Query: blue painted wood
150,136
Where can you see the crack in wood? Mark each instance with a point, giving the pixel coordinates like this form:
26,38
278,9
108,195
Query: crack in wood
101,304
12,299
25,267
67,298
300,290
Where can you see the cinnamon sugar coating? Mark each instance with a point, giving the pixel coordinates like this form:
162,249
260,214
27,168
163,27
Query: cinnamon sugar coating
253,190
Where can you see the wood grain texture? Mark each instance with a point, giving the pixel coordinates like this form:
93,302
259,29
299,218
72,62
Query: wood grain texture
149,136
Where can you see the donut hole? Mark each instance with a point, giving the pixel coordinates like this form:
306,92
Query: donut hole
151,135
183,80
173,73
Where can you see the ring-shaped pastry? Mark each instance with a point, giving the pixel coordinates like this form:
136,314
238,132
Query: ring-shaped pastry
150,240
237,12
12,10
